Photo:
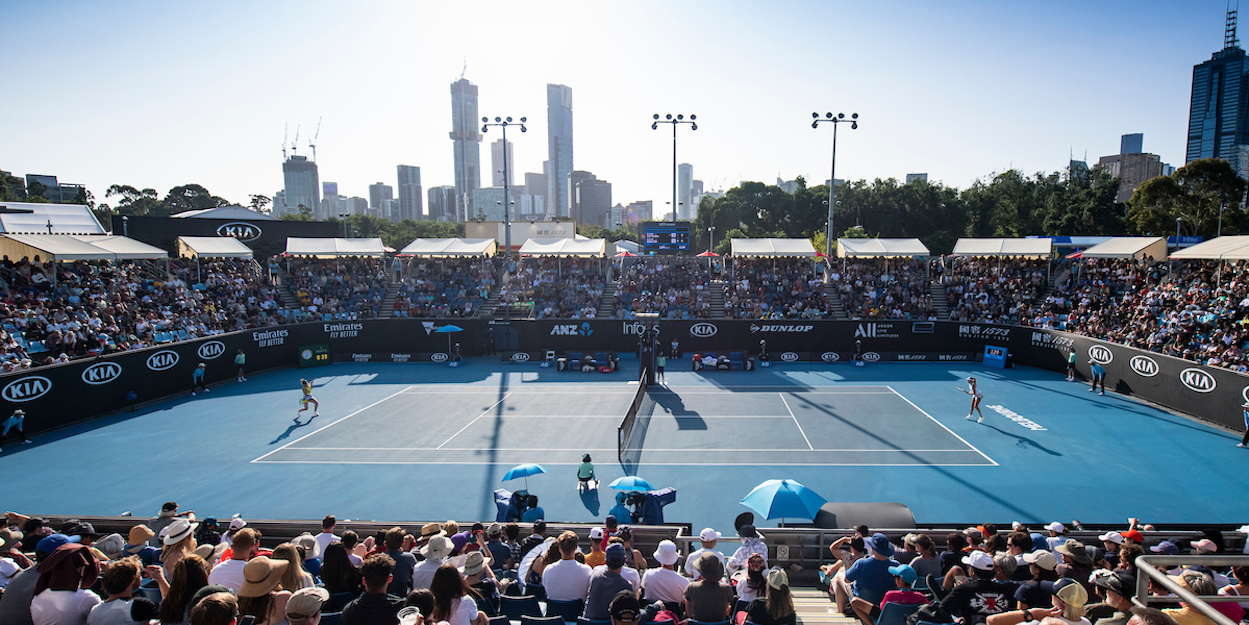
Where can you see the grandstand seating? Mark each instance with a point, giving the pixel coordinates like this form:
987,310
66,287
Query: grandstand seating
354,286
444,287
553,288
879,288
993,289
676,288
775,288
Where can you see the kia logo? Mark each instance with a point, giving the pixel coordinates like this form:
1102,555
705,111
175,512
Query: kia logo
1144,366
789,356
101,373
1197,380
830,357
439,357
520,357
27,389
239,230
211,350
703,330
1100,354
163,359
871,356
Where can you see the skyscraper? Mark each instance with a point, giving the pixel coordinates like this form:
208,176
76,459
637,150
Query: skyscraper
379,192
303,186
496,163
411,197
466,133
559,148
685,178
442,203
1218,118
591,199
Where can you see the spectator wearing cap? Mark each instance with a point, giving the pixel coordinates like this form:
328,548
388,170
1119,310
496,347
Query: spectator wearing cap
870,577
209,532
168,513
751,581
477,575
1133,536
15,422
15,606
260,595
903,577
1076,564
1116,589
61,596
86,537
536,536
310,549
710,598
405,563
1166,548
752,542
305,605
605,582
908,551
1058,536
178,543
500,553
625,609
707,538
1067,598
119,581
981,596
596,557
327,533
1112,541
229,573
375,606
777,606
435,552
626,571
1041,566
10,541
664,583
610,525
567,579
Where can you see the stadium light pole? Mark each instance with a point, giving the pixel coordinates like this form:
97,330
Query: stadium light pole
711,243
677,121
832,181
504,122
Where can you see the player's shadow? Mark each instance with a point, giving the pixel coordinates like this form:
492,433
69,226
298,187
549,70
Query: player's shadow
686,419
589,499
291,430
1024,441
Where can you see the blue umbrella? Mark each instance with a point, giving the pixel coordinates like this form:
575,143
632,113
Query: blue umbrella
448,329
631,482
524,470
784,498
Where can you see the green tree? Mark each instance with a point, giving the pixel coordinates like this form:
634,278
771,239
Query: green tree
12,188
1192,196
260,203
190,197
133,201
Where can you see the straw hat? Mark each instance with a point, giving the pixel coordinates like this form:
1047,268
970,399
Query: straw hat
261,575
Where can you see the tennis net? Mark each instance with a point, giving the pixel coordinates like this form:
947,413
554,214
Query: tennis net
632,431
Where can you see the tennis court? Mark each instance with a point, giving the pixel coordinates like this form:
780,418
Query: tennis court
409,442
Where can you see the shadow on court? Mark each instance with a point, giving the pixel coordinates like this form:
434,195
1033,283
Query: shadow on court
291,430
1023,442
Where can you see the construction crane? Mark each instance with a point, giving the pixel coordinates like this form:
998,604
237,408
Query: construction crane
313,144
286,130
295,143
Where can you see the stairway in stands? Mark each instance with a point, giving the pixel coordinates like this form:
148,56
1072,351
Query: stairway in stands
834,301
388,300
715,295
607,303
488,307
940,301
815,607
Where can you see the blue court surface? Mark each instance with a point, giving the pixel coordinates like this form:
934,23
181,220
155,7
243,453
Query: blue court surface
418,442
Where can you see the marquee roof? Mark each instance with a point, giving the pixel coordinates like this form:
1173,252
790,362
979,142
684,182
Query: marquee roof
881,247
771,247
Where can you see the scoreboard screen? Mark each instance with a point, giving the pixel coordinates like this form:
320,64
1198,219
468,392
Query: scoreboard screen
665,237
314,355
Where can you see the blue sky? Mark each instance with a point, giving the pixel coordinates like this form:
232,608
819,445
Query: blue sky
157,94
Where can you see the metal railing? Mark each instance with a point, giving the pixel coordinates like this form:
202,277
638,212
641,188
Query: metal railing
1201,603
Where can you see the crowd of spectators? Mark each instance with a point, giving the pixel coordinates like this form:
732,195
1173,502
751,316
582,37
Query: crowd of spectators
993,289
553,288
98,307
775,288
444,287
884,288
674,287
351,287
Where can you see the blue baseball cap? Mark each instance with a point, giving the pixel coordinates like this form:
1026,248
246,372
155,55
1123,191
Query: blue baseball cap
615,554
51,543
879,543
1166,547
904,571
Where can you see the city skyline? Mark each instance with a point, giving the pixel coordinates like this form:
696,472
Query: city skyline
960,90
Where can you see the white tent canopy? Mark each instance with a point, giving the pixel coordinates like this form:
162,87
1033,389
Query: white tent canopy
1222,248
1129,247
212,247
771,247
1003,247
333,248
881,247
33,218
565,247
63,247
449,247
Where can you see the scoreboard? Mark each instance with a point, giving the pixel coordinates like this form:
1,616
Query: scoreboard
665,237
314,355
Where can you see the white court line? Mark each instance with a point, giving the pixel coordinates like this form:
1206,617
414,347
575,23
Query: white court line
491,391
791,415
492,406
925,413
648,449
649,464
397,393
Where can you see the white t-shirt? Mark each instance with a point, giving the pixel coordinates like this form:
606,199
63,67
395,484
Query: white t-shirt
463,612
228,574
693,559
664,585
8,568
325,539
63,607
566,580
